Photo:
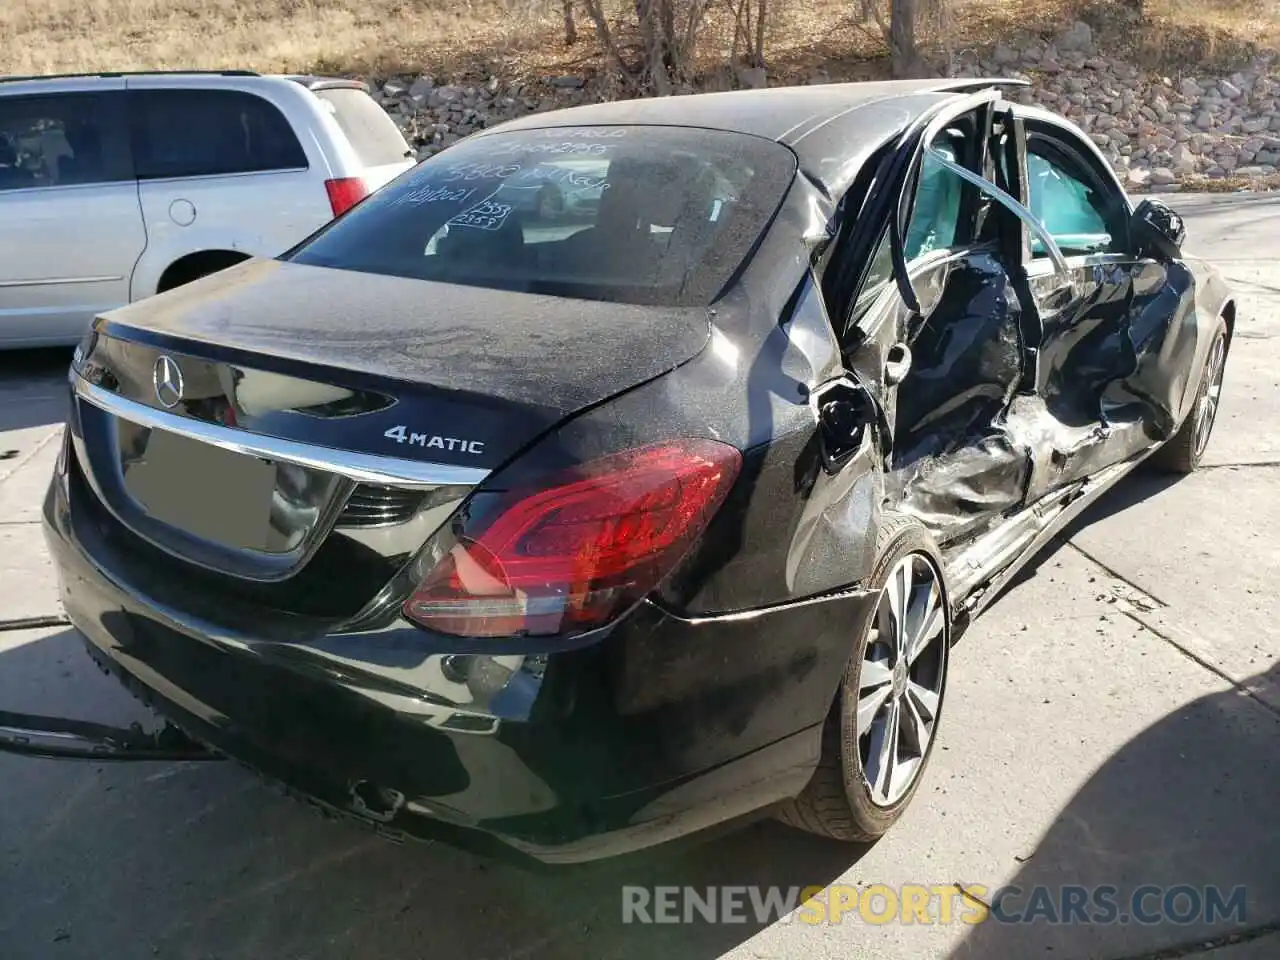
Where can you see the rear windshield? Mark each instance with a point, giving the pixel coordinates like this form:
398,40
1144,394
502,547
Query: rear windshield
374,135
648,215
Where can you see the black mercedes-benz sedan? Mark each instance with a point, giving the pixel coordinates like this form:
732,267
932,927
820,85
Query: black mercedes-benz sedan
568,535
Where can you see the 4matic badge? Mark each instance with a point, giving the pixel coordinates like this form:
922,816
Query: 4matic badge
401,434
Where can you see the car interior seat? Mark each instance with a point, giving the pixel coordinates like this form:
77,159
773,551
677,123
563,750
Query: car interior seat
619,243
84,165
692,219
477,250
11,174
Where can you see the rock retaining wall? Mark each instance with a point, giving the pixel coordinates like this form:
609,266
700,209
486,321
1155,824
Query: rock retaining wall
1159,132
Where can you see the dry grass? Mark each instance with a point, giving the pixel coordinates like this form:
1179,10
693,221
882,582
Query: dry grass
523,37
1213,33
821,36
351,36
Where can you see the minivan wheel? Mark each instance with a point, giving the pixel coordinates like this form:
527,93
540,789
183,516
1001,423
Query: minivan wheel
196,266
880,733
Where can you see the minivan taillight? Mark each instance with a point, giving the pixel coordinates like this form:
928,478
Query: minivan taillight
576,553
345,193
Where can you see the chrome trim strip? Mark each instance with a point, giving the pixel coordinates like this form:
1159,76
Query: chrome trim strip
1043,267
360,467
979,588
57,282
856,590
183,178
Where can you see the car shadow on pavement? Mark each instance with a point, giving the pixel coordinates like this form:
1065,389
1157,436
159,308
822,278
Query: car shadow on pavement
1134,489
202,860
1142,484
32,389
1186,810
19,366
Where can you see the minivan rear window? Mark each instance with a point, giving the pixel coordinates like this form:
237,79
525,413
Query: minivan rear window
372,133
632,214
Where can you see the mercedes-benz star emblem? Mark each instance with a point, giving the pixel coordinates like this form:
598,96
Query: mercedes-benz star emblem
167,377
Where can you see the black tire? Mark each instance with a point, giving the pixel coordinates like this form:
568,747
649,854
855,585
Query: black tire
196,267
1182,453
837,802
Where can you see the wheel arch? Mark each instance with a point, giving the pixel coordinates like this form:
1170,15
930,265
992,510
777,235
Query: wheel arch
199,263
1229,315
830,804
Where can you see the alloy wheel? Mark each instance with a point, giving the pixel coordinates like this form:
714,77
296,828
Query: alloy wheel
1210,394
902,675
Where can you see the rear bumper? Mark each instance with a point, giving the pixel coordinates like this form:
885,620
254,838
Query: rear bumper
661,729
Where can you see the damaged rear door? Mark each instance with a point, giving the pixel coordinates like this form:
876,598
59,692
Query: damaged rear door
1019,344
941,326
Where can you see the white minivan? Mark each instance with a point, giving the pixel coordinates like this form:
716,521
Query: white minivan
114,187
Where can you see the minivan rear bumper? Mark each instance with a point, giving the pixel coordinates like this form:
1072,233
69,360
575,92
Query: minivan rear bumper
663,728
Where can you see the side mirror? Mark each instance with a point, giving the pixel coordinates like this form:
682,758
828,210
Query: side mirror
1157,231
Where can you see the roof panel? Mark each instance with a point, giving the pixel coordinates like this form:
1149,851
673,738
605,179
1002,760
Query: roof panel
831,127
777,113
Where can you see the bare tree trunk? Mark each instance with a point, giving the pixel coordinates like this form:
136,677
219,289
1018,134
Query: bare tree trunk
902,38
570,28
596,12
741,29
899,34
942,26
667,14
654,47
689,43
669,33
757,58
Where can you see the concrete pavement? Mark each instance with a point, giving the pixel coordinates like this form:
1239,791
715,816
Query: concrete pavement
1113,720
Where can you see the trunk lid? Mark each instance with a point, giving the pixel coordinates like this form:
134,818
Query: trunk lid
490,367
293,434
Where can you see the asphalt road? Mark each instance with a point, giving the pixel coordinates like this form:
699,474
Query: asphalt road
1113,720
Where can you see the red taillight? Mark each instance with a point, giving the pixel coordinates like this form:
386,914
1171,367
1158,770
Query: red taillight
345,193
573,555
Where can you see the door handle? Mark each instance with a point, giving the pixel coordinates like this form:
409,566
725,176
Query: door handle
897,363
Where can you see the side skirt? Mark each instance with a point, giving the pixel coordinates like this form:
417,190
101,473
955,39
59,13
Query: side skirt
980,571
